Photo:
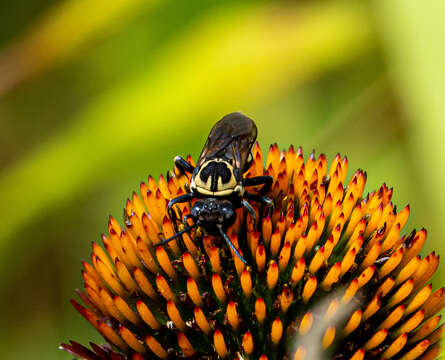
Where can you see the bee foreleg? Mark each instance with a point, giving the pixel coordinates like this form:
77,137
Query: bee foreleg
266,181
183,165
178,200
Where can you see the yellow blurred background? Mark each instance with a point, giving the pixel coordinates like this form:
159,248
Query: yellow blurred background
95,95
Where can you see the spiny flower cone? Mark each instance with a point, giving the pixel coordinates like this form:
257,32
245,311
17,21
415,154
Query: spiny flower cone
330,274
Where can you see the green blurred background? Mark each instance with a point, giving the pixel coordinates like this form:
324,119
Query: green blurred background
95,95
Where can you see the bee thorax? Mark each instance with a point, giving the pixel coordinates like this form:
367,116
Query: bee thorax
215,177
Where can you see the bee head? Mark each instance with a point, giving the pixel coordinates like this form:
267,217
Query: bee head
211,212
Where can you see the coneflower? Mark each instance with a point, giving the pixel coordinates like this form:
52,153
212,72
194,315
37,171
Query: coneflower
330,271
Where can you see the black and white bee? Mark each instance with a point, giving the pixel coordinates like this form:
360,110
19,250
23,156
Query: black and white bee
217,181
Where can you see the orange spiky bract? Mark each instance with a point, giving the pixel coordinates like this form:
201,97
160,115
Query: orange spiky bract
325,247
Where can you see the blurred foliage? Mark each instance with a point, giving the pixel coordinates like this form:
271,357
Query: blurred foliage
95,95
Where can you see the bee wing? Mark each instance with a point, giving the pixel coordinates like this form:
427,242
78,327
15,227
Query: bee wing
232,137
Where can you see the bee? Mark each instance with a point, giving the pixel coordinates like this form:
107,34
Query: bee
217,181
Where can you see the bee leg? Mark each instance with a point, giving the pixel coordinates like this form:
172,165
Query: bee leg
180,199
251,211
172,214
259,198
226,238
183,165
266,181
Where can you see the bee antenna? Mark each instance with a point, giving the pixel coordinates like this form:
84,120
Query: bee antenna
187,228
226,238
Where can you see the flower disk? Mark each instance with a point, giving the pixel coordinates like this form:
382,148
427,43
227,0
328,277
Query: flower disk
330,274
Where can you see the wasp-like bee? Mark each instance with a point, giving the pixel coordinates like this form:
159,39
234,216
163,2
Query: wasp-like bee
217,180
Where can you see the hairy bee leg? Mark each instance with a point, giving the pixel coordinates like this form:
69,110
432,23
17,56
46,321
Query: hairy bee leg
266,181
251,211
226,238
259,198
183,165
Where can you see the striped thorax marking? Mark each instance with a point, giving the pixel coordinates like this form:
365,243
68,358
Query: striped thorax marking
216,177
